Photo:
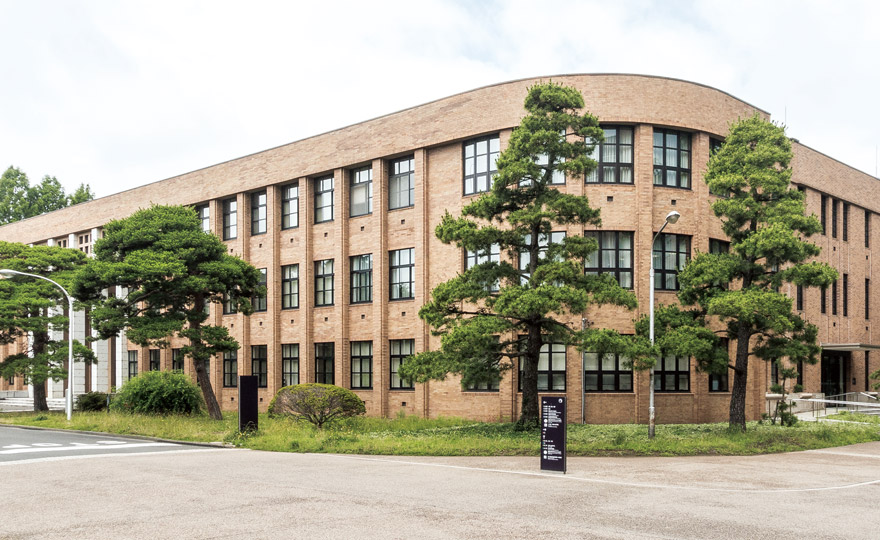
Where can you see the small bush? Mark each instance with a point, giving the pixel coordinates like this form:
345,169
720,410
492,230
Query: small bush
159,392
91,402
316,403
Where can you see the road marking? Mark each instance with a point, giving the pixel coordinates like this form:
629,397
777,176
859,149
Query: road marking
16,446
609,482
848,454
119,446
113,455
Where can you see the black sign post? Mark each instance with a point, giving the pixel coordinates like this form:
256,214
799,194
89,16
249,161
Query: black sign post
553,434
247,403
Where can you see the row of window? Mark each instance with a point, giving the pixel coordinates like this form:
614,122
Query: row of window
601,374
823,297
835,214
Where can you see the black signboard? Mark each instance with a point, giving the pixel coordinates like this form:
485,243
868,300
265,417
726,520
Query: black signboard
247,403
553,433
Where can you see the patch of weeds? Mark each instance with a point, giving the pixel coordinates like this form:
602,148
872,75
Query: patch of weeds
40,418
239,438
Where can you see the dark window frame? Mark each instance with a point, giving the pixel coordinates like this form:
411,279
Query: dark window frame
260,365
176,360
834,297
799,297
132,358
402,274
289,364
397,176
599,256
835,211
490,157
324,187
474,258
261,303
662,372
290,286
259,212
681,149
823,299
397,359
290,206
360,179
823,214
360,279
604,149
204,213
361,365
846,295
661,272
544,243
547,352
846,222
867,228
617,372
230,369
325,362
867,298
324,282
720,382
230,218
155,359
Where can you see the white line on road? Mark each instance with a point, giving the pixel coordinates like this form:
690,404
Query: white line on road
115,455
122,446
609,482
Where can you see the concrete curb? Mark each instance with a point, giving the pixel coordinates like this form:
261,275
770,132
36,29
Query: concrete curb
216,444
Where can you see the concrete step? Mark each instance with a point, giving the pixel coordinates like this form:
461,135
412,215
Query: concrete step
27,404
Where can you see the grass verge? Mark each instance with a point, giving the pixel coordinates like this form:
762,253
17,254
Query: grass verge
458,437
855,417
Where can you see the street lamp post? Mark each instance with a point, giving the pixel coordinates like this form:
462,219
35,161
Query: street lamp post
671,217
5,274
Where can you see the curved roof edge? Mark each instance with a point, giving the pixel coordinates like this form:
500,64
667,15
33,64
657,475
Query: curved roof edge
832,158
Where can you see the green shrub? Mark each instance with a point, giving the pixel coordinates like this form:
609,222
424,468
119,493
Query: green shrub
159,392
316,403
91,402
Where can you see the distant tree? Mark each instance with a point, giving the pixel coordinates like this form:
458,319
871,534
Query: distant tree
764,219
505,310
170,271
27,314
19,200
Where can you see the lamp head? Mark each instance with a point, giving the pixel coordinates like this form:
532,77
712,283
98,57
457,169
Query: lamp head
672,217
6,274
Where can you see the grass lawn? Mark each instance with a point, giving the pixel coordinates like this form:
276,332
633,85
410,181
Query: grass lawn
458,437
855,417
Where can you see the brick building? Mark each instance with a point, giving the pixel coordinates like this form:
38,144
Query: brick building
342,225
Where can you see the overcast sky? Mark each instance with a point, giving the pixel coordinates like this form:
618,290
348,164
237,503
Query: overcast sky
118,94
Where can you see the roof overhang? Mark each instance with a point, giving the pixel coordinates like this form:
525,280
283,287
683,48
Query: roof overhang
849,347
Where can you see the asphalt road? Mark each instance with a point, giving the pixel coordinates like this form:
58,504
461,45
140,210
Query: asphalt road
225,493
31,445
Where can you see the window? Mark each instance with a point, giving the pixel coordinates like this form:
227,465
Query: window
401,183
260,365
290,286
258,213
672,374
324,358
401,349
544,242
84,243
402,274
867,298
719,382
290,206
62,243
361,194
823,299
176,360
671,253
208,368
289,364
479,163
614,256
799,298
614,157
718,246
551,368
672,158
361,279
323,199
154,359
230,369
834,298
132,364
473,258
823,214
845,222
835,208
846,295
230,219
204,213
489,386
259,302
607,375
324,282
867,229
361,364
229,306
714,146
558,177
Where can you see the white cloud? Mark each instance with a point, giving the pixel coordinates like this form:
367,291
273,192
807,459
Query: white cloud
119,94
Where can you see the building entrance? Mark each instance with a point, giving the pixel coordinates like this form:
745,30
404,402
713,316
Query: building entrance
835,369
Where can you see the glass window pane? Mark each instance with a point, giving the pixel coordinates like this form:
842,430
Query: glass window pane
591,381
608,362
658,156
626,154
608,381
559,381
625,135
625,280
683,383
543,381
625,381
591,361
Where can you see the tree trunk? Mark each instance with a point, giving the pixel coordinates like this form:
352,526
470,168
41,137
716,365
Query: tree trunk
40,403
528,417
740,378
198,356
